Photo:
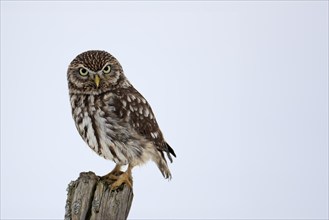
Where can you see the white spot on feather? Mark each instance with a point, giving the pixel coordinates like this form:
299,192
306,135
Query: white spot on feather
146,112
124,103
154,134
132,97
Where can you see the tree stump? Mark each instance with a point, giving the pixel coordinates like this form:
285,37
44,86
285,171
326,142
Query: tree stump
90,198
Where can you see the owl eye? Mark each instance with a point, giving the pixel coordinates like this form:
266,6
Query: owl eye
83,72
107,69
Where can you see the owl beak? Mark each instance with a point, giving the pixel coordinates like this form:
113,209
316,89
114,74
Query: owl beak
97,80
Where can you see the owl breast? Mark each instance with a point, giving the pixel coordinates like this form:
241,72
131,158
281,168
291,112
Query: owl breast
109,135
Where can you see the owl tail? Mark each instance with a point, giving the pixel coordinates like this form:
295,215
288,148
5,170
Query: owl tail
162,162
170,151
163,167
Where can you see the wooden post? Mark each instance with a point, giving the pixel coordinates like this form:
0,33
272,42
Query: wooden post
90,198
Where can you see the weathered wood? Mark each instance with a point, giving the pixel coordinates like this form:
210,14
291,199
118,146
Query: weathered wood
90,198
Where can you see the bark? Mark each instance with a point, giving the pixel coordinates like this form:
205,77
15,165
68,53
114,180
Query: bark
90,198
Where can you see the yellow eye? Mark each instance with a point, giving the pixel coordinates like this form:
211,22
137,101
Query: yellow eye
83,72
107,69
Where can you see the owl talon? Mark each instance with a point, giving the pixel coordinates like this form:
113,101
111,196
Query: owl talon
113,175
124,178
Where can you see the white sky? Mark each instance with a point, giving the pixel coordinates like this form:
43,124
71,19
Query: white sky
239,88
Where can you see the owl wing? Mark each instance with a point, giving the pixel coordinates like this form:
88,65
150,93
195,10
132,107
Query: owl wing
139,114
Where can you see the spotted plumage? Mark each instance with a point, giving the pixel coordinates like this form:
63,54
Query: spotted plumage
112,117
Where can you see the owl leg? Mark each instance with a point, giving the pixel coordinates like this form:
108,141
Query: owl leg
115,173
125,177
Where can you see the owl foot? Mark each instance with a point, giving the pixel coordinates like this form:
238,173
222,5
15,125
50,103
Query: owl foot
114,174
123,178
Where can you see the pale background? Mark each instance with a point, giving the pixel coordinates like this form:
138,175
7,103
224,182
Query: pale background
240,90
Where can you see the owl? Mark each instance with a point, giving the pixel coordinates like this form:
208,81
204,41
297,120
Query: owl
113,118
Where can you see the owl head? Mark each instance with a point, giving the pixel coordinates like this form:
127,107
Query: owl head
95,72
